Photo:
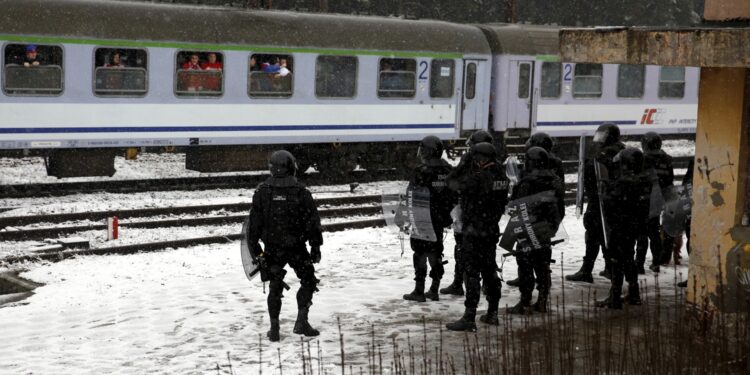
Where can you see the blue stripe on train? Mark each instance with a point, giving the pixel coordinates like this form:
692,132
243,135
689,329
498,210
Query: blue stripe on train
569,123
220,128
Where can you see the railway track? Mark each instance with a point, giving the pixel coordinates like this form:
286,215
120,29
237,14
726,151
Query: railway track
182,183
213,182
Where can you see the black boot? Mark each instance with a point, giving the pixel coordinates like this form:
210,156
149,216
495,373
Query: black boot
491,316
654,267
606,273
273,333
515,282
584,274
614,301
302,326
641,269
417,294
456,288
466,323
433,292
682,284
541,301
634,295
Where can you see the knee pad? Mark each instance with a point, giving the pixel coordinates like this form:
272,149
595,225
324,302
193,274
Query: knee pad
437,273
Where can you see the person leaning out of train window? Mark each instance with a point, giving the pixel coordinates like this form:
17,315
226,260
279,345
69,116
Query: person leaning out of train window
193,63
32,57
115,61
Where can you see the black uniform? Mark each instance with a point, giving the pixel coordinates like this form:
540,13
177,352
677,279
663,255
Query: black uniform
432,174
658,165
483,189
592,219
629,196
284,217
537,261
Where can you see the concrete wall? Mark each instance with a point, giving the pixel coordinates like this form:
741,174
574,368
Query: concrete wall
727,10
722,149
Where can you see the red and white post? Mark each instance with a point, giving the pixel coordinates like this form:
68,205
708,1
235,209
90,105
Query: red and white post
112,226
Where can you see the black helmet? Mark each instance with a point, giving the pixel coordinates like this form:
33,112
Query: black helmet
431,147
483,152
536,158
540,139
651,141
282,164
630,159
479,136
607,134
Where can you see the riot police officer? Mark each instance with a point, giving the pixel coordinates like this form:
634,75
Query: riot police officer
431,174
658,165
456,286
543,140
548,214
284,217
483,191
629,195
606,145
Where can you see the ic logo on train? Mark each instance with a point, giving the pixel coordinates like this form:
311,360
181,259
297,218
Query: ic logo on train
652,116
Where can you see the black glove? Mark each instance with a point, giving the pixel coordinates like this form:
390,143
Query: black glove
256,250
315,253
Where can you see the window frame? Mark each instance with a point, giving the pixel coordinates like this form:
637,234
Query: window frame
473,82
601,83
453,80
249,72
356,79
62,71
643,83
559,81
94,69
684,83
377,79
197,96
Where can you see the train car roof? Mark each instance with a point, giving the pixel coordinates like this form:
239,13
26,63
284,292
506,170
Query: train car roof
518,39
88,21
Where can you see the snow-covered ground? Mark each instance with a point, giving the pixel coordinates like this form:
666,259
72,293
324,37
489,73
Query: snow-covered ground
182,310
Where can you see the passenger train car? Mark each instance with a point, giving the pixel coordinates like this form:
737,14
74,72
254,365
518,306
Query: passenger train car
84,79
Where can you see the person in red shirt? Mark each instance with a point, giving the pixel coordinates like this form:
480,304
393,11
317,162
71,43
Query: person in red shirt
212,63
193,63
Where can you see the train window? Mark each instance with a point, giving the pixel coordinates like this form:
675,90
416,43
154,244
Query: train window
35,70
587,81
120,72
199,74
551,79
524,77
441,78
270,76
397,78
630,81
471,80
672,82
336,77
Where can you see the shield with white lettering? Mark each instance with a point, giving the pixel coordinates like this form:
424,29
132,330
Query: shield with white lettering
532,223
409,211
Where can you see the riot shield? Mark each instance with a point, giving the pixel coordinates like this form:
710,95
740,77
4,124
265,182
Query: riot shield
602,176
410,212
394,208
526,226
579,185
249,264
656,205
677,208
512,171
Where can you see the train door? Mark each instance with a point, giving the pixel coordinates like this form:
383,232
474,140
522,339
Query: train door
472,100
520,95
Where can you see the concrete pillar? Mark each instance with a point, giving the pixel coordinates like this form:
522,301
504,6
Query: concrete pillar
719,256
